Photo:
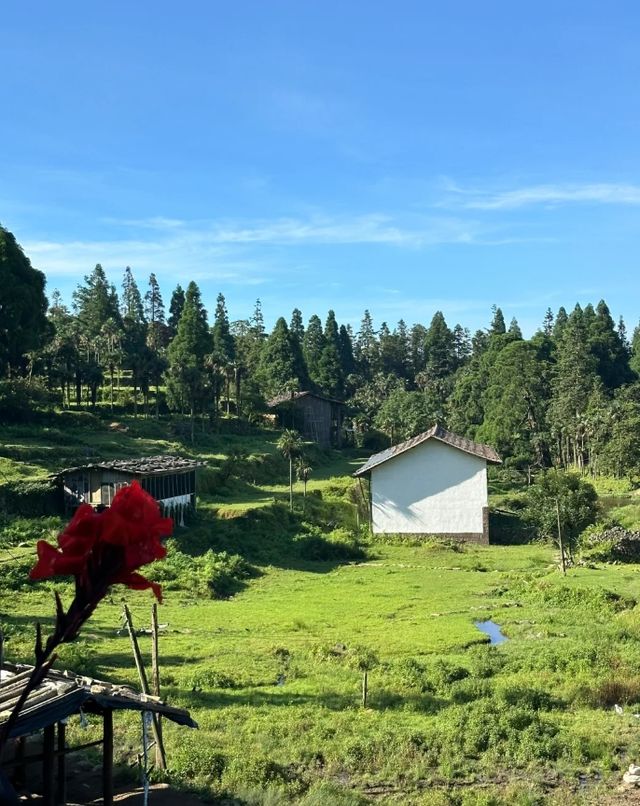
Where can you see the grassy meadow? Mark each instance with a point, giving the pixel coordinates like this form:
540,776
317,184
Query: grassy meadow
271,617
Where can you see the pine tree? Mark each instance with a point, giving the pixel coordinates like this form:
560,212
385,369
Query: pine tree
612,360
296,327
154,314
132,310
514,329
635,351
95,303
439,348
347,361
497,327
186,355
547,323
312,346
329,377
223,344
366,348
175,311
560,323
417,336
280,368
574,381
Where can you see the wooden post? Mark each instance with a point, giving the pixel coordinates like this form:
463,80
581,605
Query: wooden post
562,562
365,688
144,684
155,682
61,789
48,765
107,757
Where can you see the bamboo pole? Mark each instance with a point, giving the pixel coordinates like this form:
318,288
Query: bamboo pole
155,680
562,560
144,684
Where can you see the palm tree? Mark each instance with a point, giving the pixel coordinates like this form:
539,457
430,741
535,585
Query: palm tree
303,470
290,444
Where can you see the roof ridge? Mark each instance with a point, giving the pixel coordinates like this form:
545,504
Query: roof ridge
438,432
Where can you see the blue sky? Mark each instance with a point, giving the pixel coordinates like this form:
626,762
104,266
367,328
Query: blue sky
403,157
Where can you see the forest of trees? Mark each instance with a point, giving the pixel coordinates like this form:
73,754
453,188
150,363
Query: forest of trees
569,396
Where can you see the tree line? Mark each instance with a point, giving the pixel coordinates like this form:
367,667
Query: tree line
569,396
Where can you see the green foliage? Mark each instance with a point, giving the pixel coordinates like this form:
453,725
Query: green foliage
27,498
23,306
24,400
212,575
575,498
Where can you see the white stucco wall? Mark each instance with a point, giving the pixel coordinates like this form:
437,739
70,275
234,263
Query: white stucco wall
431,489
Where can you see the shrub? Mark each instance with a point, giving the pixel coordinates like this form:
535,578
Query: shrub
576,499
28,498
213,575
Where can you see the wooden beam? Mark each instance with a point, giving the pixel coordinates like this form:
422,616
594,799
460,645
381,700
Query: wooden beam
61,789
161,760
48,765
107,758
144,683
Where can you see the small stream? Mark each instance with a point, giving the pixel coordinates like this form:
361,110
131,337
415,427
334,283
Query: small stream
493,631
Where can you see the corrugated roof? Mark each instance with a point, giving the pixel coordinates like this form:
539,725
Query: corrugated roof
287,397
144,466
439,433
62,694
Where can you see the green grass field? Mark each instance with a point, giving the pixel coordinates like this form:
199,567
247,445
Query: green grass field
272,674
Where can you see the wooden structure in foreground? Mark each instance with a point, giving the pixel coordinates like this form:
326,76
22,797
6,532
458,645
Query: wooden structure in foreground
171,480
317,417
59,696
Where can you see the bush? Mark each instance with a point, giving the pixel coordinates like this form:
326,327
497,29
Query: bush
23,401
337,545
211,575
576,499
29,498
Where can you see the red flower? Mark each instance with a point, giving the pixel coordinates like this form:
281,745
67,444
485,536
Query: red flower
102,549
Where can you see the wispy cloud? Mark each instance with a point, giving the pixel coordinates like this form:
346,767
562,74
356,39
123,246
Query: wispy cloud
372,228
550,194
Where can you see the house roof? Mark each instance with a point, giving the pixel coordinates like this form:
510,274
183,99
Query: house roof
145,466
442,435
62,694
287,397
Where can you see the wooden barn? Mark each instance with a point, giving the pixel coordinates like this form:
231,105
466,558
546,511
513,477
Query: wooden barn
171,480
317,417
432,484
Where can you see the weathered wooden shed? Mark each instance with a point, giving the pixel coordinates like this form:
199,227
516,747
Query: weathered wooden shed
171,480
433,484
317,417
47,709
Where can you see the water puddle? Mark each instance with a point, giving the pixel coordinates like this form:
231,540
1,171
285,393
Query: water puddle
492,630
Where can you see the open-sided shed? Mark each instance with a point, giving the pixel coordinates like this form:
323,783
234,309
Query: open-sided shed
171,480
59,696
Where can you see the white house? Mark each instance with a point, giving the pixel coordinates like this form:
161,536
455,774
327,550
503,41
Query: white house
432,484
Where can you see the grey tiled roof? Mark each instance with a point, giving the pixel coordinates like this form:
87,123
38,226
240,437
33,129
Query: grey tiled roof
439,433
144,466
61,694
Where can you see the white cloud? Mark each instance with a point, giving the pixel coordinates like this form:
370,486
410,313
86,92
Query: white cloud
551,194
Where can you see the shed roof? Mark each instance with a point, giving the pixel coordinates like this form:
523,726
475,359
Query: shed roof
62,694
287,397
145,466
442,435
